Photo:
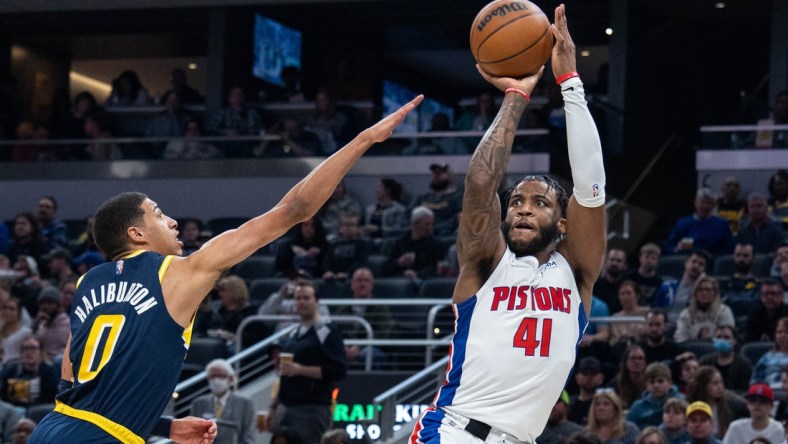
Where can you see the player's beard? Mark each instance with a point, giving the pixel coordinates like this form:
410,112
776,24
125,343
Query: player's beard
547,235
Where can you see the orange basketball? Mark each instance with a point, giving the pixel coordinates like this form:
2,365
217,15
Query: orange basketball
511,38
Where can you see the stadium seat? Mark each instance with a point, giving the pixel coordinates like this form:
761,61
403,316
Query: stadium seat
700,347
256,267
74,227
333,289
375,263
442,287
260,289
202,351
671,267
724,265
753,351
394,287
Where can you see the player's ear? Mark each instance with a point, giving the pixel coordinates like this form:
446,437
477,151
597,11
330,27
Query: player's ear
561,225
135,234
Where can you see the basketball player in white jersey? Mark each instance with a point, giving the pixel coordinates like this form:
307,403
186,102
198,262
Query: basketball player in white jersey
524,289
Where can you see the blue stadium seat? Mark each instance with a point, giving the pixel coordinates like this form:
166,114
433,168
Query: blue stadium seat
260,289
394,287
724,265
672,267
442,287
375,263
754,350
700,347
256,267
333,289
202,351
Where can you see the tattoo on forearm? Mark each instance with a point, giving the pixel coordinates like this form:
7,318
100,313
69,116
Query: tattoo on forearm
492,155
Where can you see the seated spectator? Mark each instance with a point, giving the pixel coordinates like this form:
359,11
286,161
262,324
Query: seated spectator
5,295
52,325
180,86
708,387
656,344
8,419
26,238
760,400
606,419
734,369
362,285
758,229
334,125
630,381
417,253
646,273
236,119
66,295
290,92
87,260
606,286
674,421
768,367
651,435
647,411
72,126
438,145
477,119
53,230
674,295
625,333
778,199
387,217
780,257
30,380
781,412
127,90
84,241
740,292
169,123
700,424
22,430
28,283
234,307
12,332
701,229
762,320
445,200
730,206
283,303
294,141
348,252
190,148
339,204
304,253
705,313
97,127
684,369
59,263
583,437
558,428
589,378
226,406
190,233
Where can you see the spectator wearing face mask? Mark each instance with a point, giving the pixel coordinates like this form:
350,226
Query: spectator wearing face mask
233,413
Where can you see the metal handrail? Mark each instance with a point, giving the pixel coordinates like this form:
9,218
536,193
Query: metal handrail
732,128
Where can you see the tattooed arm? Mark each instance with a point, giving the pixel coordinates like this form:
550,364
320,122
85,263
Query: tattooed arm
480,243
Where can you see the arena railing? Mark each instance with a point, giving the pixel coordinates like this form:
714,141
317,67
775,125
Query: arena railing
761,136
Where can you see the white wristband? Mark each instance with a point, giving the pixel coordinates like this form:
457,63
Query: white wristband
585,148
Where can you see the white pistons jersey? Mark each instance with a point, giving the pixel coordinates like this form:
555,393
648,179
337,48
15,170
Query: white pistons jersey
514,345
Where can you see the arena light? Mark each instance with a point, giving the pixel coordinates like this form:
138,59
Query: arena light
609,31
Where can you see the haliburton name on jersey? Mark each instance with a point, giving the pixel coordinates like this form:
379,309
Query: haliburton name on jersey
135,294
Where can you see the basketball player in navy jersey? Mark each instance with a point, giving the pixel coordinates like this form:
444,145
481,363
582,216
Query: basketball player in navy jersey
524,289
131,318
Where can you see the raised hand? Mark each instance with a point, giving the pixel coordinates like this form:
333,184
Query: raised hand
526,84
383,129
563,58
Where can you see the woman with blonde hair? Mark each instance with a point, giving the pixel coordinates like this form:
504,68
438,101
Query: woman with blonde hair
606,419
651,435
233,308
705,313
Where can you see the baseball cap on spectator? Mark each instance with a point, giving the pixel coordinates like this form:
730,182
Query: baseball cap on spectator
699,407
91,258
57,253
49,294
439,167
589,364
760,391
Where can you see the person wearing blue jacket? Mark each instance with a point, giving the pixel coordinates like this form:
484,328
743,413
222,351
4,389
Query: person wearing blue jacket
647,410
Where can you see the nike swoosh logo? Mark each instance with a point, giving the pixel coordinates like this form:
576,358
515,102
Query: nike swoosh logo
571,88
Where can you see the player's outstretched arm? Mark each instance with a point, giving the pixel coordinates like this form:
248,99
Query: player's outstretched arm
198,272
586,238
480,238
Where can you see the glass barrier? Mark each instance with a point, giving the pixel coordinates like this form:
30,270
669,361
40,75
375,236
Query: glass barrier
764,136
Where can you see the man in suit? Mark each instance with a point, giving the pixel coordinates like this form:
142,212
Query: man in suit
225,406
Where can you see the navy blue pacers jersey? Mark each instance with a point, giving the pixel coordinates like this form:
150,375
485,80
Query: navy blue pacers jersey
126,350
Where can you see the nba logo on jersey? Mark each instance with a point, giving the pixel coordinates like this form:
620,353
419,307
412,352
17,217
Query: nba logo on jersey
595,187
119,267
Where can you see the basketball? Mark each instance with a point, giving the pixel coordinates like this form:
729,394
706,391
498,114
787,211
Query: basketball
511,38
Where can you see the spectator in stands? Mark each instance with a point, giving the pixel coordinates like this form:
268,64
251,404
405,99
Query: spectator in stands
685,367
66,295
282,302
12,332
583,437
97,127
417,253
225,405
479,118
180,86
72,126
606,419
335,436
387,217
169,123
760,400
768,367
606,286
290,92
674,295
87,260
8,419
59,263
339,204
294,141
674,421
778,199
647,411
740,291
438,145
730,206
190,234
190,148
734,369
700,424
445,200
589,377
127,90
758,228
52,325
22,430
28,282
30,380
709,387
236,119
234,307
705,313
348,252
596,332
656,344
53,230
780,257
362,285
307,380
558,428
630,381
781,412
646,273
84,241
625,333
304,253
26,238
333,125
702,229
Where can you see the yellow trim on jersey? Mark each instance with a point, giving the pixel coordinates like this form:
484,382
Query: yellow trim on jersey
79,281
117,431
164,266
134,253
187,332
